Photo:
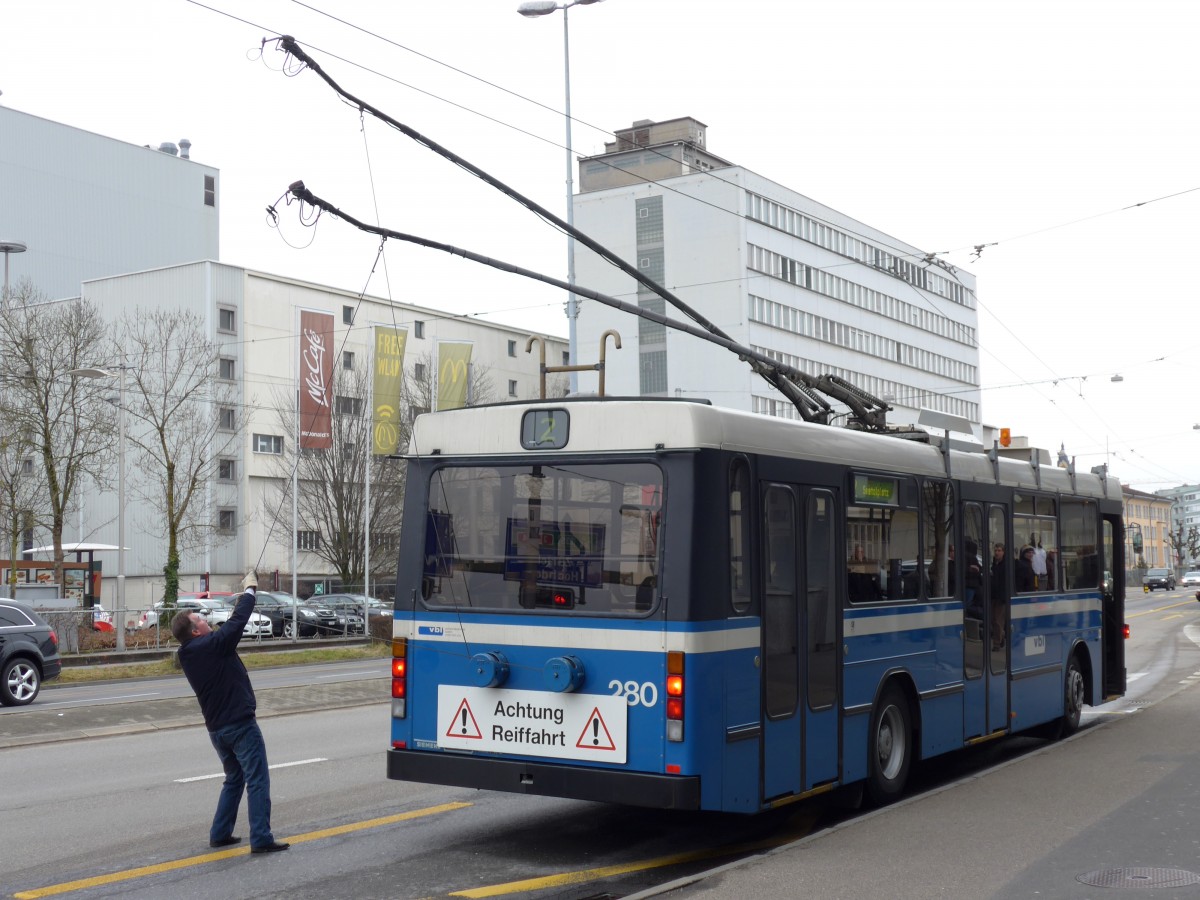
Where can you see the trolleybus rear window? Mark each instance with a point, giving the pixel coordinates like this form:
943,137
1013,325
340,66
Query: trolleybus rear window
572,537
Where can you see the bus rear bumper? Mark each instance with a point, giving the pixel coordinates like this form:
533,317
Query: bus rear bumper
545,779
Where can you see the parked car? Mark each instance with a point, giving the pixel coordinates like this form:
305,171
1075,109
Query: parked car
278,608
331,622
102,619
356,603
1158,578
28,653
1191,578
219,611
190,600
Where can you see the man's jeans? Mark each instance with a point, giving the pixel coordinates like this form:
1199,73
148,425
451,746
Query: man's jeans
244,757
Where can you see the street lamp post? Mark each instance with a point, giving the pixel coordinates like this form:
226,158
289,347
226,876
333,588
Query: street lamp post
119,612
10,247
533,9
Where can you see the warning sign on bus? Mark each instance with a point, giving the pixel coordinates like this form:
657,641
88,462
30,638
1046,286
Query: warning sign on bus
533,723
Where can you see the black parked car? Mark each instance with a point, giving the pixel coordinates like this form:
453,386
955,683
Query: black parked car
333,621
28,653
278,608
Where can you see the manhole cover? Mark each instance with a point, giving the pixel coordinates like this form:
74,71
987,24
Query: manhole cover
1138,877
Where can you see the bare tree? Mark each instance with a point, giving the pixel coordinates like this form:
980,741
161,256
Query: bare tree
22,487
184,424
333,489
65,418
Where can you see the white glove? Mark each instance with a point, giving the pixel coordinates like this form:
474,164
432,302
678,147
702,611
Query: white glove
250,582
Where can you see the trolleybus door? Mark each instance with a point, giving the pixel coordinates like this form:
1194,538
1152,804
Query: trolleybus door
799,627
986,617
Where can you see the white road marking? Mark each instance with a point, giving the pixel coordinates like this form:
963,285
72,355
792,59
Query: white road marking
299,762
353,674
98,699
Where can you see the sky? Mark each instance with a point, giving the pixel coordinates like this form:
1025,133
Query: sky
1060,139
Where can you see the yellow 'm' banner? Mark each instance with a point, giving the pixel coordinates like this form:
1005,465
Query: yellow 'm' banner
454,362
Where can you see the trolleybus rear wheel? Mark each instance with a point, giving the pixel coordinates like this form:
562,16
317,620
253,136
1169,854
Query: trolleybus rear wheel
890,750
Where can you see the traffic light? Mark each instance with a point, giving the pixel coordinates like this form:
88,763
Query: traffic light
1005,437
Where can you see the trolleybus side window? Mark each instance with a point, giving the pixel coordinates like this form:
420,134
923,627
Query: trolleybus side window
1081,562
975,568
1035,551
781,670
563,537
821,608
883,541
739,535
938,519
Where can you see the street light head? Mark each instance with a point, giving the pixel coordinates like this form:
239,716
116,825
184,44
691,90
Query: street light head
91,372
534,8
586,2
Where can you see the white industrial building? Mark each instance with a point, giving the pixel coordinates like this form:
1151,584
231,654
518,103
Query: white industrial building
253,319
774,270
82,205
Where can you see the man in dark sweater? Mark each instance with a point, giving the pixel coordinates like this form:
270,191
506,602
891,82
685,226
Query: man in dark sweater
215,672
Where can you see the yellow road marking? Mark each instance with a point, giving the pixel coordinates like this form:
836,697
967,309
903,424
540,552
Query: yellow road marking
1158,609
142,871
675,859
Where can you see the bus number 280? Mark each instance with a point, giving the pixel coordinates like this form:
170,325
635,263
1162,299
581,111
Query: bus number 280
644,694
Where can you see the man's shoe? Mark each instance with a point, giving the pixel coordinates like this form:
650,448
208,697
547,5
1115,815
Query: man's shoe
225,842
273,847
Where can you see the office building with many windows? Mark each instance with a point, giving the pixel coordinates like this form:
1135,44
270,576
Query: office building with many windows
775,271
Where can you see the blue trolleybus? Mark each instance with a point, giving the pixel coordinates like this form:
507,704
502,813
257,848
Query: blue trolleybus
667,604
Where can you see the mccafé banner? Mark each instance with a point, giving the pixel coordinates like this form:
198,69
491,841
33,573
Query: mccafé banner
316,380
388,368
454,368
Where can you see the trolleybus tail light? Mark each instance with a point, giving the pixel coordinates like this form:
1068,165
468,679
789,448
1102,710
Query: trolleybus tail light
399,677
1125,630
675,695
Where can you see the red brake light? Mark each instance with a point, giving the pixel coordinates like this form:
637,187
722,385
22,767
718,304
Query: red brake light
674,685
53,637
399,688
399,668
674,708
1125,628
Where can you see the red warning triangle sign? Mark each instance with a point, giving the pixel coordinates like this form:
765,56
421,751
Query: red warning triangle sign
463,724
595,734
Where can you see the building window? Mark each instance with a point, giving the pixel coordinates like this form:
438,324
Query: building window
347,359
268,443
512,348
27,466
418,329
226,521
210,190
226,470
347,406
420,373
308,540
27,539
414,411
347,315
566,357
227,418
227,320
227,369
512,387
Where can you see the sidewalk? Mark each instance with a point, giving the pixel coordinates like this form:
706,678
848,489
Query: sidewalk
1113,809
39,726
